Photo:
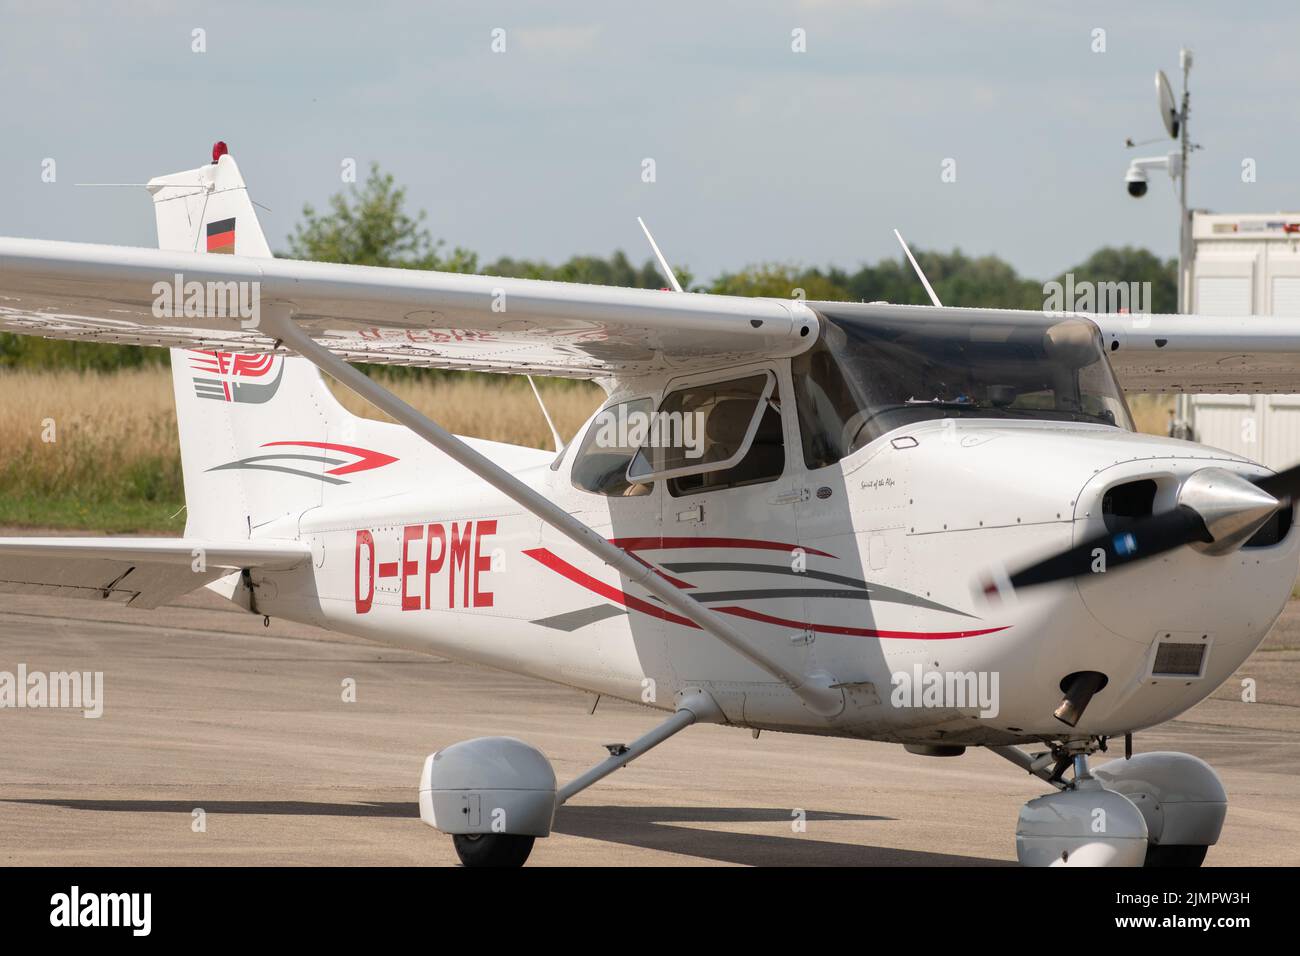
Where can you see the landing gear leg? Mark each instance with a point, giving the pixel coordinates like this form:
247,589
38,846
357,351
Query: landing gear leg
496,795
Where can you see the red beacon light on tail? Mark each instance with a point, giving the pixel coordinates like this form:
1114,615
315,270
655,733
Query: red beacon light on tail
219,149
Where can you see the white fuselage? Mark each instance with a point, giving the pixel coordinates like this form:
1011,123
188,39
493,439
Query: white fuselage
861,571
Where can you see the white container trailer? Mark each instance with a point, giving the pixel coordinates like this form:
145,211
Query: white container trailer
1241,265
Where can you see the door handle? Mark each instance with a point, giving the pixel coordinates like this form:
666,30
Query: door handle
694,514
790,497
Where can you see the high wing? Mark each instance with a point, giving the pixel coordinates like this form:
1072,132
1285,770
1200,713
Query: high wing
1203,353
141,572
1162,353
101,293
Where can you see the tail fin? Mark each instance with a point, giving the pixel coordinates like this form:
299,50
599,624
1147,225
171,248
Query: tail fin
247,421
262,437
207,210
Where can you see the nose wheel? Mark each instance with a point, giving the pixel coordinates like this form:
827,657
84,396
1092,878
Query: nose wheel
492,849
1150,810
1184,856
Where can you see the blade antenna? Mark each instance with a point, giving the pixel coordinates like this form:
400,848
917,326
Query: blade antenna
919,274
555,435
663,263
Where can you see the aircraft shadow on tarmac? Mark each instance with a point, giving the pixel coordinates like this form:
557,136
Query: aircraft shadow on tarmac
293,808
652,828
649,828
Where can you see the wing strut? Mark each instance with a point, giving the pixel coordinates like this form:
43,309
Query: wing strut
555,434
816,695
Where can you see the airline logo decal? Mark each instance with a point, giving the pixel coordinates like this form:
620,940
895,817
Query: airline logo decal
221,237
358,460
235,377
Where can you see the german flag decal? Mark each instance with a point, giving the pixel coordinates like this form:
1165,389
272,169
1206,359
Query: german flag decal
221,236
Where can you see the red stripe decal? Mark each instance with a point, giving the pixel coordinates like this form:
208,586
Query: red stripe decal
368,459
611,593
658,544
856,631
607,591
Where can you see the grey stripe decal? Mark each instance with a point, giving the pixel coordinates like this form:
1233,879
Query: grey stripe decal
688,566
572,620
875,592
250,464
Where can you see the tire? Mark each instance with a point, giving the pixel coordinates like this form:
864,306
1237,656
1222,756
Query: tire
1179,855
492,849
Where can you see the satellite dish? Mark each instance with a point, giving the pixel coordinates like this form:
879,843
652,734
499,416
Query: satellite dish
1168,105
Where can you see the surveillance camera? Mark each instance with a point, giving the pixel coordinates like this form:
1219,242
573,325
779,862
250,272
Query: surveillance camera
1136,179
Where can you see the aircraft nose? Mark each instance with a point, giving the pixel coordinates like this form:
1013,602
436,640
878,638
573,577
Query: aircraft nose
1197,537
1126,518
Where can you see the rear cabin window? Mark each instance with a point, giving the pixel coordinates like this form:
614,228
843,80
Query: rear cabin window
601,463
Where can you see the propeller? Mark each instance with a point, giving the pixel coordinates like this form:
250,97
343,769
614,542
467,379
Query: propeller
1285,484
1216,512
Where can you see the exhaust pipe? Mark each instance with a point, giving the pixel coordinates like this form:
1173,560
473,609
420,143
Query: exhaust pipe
1079,689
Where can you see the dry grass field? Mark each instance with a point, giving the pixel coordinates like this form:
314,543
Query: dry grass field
99,451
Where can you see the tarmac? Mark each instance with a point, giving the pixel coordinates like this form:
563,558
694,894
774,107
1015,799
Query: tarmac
204,709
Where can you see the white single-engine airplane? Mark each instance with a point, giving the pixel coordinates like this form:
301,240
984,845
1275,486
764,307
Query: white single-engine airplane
817,547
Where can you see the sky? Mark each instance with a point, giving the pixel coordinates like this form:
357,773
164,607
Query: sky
760,153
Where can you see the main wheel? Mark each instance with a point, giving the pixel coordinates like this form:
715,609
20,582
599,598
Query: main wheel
492,849
1182,855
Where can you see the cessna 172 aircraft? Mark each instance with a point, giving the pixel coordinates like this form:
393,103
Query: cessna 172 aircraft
871,493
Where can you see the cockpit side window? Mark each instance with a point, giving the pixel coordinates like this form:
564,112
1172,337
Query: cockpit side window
600,465
725,426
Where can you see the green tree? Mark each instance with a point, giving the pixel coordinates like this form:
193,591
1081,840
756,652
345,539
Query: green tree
28,351
369,226
775,280
592,270
1128,264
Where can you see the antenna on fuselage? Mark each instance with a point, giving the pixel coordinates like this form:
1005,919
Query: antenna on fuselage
663,263
555,435
919,274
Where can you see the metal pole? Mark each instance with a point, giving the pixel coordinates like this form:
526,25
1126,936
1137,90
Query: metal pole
1184,403
1184,226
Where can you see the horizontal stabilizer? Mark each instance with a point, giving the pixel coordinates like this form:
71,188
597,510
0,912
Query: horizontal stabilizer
141,572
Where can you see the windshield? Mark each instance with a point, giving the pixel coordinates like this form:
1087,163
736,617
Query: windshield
871,372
